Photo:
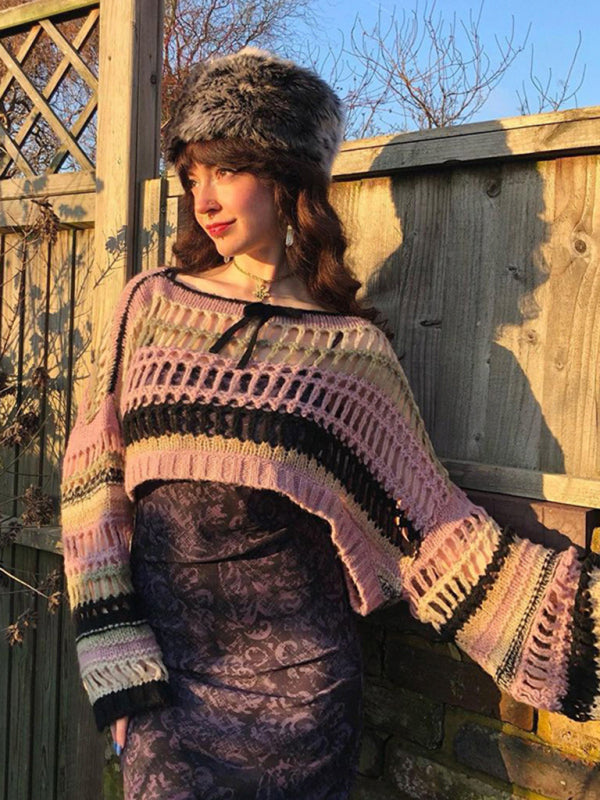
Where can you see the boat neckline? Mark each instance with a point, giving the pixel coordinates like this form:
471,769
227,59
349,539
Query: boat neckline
170,273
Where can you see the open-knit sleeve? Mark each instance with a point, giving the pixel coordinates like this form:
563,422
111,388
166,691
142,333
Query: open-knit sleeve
527,614
120,662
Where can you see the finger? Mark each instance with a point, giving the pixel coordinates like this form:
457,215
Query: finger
122,730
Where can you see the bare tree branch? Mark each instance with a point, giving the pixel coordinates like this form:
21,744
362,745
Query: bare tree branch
424,72
548,98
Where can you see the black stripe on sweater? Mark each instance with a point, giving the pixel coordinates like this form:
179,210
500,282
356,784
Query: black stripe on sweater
121,335
583,660
110,476
474,600
100,615
277,429
506,671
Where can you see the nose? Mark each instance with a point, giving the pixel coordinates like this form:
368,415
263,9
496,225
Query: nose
204,198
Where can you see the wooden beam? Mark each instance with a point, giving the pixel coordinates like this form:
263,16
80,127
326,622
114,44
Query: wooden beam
525,483
72,210
40,9
128,137
67,183
537,135
46,538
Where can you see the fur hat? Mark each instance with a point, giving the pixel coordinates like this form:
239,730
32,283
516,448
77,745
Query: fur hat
256,95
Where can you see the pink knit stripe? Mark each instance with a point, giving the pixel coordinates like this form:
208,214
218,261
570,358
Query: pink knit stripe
101,533
491,631
542,676
436,582
88,563
457,526
263,473
89,440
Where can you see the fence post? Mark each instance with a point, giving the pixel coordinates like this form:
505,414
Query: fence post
128,139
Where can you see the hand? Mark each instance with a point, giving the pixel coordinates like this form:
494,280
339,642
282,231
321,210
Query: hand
118,730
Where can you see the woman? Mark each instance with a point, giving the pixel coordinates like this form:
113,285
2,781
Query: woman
248,466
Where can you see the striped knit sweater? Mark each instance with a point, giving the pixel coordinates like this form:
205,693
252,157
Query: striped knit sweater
191,385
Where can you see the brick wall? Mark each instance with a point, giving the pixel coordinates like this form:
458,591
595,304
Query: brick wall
435,725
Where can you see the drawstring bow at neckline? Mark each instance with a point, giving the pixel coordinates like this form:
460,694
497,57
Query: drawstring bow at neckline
262,311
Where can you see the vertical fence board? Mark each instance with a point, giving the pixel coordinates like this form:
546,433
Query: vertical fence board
20,730
463,369
171,226
7,553
6,596
516,427
81,746
151,236
11,325
47,676
571,300
80,755
81,333
33,336
57,359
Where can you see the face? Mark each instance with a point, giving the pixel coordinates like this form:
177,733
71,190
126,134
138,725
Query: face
237,211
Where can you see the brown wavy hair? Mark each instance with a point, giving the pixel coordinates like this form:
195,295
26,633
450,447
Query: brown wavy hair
301,200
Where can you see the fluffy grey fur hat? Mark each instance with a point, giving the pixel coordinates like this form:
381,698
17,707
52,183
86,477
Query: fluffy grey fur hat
256,95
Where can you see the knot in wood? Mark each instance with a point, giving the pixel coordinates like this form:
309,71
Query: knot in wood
493,188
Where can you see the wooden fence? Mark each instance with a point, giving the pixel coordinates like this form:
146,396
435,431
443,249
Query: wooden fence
479,243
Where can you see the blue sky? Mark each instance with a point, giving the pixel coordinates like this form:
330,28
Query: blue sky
554,35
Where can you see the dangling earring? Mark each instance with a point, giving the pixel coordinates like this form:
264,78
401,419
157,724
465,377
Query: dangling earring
227,259
289,236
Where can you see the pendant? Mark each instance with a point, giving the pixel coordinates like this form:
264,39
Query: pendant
262,291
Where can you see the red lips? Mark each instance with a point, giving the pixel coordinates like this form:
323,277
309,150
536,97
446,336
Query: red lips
218,228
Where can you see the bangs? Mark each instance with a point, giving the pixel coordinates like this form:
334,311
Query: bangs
238,154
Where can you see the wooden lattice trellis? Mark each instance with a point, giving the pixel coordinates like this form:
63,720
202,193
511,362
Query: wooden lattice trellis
34,32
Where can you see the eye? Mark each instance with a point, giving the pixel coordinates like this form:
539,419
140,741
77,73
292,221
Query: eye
223,172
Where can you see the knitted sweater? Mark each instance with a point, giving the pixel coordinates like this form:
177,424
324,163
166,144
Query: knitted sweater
191,385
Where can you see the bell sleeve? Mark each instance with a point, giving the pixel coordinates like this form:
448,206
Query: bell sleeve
527,614
120,662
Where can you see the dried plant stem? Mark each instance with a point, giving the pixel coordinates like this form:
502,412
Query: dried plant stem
28,585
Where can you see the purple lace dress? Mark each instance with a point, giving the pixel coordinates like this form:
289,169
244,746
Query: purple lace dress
247,598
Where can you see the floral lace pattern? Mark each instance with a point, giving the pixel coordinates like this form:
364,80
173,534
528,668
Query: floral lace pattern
247,599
